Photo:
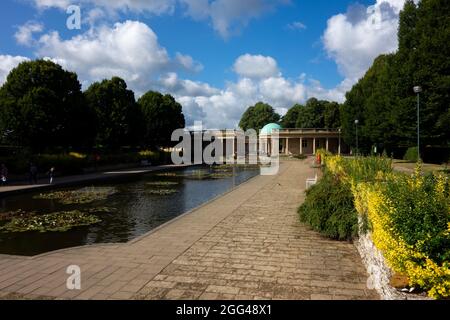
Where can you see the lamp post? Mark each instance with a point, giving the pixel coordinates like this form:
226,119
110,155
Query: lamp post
418,90
357,142
339,146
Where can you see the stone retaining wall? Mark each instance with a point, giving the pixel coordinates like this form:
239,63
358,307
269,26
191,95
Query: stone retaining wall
379,273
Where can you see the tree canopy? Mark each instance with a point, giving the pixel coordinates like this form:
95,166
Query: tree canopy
315,114
162,115
117,115
41,106
257,116
384,100
289,121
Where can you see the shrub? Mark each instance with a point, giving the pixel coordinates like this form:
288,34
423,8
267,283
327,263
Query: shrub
63,163
329,209
409,216
411,155
301,157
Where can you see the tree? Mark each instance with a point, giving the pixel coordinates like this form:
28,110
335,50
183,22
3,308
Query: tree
384,101
117,115
312,115
291,117
257,116
41,106
331,117
162,115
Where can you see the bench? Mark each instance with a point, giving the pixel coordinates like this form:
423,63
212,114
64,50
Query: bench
311,182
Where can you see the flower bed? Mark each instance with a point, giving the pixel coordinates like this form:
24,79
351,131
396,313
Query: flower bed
408,216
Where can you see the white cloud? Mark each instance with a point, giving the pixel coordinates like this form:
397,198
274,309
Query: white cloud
188,63
7,63
355,38
227,17
24,34
223,108
44,4
282,93
296,25
315,89
129,50
152,6
256,66
180,87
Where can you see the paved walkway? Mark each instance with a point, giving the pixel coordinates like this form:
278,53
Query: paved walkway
247,244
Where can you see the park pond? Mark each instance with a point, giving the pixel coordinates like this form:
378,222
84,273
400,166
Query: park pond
109,212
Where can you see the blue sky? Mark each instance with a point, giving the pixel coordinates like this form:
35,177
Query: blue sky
216,57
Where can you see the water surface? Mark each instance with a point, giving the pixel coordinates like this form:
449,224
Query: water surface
136,210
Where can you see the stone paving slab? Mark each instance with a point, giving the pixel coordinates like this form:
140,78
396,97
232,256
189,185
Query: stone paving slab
247,244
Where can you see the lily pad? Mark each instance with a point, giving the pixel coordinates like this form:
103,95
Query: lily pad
54,222
12,214
80,196
161,192
167,174
102,210
162,183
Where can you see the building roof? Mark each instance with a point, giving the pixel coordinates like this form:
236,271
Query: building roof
267,130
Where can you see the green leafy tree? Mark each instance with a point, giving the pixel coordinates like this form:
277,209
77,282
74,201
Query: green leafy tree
313,115
331,118
384,101
117,115
291,117
162,115
42,107
257,116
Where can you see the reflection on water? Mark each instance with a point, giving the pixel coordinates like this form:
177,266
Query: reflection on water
139,208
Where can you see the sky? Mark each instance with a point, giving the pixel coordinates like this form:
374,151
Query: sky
216,57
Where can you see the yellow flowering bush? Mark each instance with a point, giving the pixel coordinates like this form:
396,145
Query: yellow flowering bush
77,155
409,219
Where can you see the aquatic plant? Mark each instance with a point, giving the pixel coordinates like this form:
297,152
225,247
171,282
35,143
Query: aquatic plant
18,213
54,222
161,192
80,196
162,183
167,174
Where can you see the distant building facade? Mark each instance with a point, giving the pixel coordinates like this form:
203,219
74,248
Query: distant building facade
290,142
302,141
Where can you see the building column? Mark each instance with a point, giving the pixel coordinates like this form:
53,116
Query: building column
301,146
339,147
327,145
314,146
287,147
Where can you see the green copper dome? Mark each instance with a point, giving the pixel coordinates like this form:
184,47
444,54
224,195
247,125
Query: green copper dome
267,130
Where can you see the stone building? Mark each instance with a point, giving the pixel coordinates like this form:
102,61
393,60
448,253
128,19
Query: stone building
301,141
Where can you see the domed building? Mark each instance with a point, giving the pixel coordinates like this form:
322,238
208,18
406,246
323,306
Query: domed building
269,128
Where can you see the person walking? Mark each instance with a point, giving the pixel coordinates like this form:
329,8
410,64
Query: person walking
51,174
3,174
33,173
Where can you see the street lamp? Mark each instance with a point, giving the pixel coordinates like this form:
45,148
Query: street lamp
357,145
418,90
339,146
